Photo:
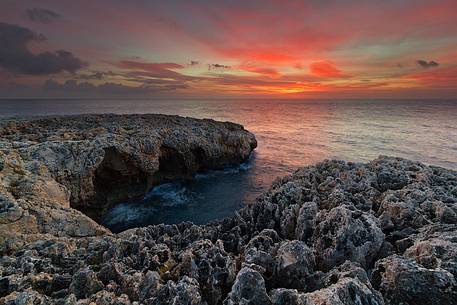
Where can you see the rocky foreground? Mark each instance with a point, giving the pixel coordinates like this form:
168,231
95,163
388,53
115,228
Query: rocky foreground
384,232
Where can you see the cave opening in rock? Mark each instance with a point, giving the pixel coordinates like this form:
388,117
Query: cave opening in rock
172,165
124,192
117,178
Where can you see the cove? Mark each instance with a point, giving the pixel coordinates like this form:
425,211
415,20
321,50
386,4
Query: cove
209,196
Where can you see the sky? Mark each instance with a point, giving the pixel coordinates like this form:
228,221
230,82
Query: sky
237,48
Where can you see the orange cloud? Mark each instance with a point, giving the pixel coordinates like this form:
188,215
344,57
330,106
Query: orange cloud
325,69
438,78
259,70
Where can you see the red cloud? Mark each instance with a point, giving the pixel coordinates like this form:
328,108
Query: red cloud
325,69
441,77
259,70
155,70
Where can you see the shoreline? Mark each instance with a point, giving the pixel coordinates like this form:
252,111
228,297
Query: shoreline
382,232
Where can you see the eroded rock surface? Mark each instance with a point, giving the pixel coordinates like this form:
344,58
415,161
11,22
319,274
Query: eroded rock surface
52,168
334,233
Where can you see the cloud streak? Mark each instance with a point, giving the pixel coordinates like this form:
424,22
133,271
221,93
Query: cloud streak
427,64
42,15
259,70
152,70
74,88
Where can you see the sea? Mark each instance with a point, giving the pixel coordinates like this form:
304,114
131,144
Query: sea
290,134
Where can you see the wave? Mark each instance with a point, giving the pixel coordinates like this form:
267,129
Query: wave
167,196
126,213
170,194
229,170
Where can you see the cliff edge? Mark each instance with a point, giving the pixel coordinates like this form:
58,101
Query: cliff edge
54,171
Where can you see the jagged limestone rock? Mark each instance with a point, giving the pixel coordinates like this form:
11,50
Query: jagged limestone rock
336,232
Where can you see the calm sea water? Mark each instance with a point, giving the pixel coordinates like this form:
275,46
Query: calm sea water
290,134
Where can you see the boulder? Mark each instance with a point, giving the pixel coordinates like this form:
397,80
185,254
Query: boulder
345,234
403,281
248,289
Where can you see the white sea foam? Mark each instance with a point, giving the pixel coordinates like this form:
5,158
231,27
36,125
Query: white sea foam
229,170
169,194
126,213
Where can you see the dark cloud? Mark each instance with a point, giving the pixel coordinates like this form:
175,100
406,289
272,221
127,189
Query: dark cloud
217,67
427,64
96,75
170,75
42,15
16,57
74,88
146,66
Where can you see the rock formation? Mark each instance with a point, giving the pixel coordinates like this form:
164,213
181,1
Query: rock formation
384,232
53,168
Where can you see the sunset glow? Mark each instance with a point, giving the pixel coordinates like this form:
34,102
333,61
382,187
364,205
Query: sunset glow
287,49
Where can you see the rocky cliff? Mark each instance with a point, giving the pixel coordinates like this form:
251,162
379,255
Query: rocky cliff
54,168
335,233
